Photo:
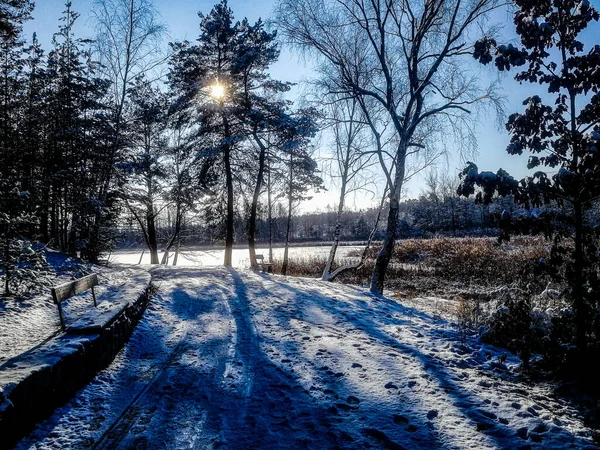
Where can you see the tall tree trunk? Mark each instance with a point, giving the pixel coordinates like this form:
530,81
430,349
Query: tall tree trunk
385,254
229,182
270,215
337,231
176,252
152,242
254,205
579,302
284,264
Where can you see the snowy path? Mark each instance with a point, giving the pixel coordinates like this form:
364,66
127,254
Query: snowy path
233,359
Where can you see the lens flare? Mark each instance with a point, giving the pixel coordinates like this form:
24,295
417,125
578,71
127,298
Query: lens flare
217,91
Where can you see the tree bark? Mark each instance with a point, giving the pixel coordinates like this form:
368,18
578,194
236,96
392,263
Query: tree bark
284,264
270,215
579,302
152,243
176,253
385,254
229,183
254,205
337,231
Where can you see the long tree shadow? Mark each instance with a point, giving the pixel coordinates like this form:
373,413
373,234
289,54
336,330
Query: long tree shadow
217,371
375,325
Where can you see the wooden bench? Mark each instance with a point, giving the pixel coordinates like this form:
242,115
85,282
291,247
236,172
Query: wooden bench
65,291
264,266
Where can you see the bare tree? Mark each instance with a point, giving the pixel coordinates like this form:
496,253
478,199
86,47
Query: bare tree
128,41
348,163
402,61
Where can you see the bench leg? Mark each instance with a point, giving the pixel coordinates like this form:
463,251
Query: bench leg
62,319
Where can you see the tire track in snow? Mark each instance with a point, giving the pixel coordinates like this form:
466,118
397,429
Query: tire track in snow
119,429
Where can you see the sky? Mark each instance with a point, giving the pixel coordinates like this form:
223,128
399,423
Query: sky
181,19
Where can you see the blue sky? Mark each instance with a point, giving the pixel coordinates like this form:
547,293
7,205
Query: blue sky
182,21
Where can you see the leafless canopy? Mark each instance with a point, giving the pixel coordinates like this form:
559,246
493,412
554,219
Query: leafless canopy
408,64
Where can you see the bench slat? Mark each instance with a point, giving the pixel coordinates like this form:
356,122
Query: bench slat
68,290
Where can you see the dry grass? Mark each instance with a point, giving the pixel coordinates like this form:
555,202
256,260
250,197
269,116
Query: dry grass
448,267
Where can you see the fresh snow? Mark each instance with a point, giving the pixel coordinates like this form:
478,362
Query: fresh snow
234,359
28,323
239,257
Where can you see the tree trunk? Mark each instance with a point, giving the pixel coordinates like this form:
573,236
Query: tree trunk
270,215
176,253
337,231
152,243
385,254
254,205
284,264
579,302
229,182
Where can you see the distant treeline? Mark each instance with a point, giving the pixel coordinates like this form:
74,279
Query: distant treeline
427,216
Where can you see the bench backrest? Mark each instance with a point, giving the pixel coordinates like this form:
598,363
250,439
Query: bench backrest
68,290
260,256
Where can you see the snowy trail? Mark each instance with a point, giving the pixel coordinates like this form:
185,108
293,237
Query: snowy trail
233,359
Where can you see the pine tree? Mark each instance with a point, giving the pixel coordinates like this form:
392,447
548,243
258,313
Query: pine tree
73,152
224,80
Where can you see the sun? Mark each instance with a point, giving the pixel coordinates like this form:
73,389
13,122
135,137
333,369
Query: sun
217,91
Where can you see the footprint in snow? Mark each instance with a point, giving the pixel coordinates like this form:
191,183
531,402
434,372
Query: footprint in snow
391,385
489,415
352,400
356,365
432,414
399,420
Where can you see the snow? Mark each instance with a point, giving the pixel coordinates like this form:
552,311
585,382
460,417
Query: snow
240,257
26,324
235,359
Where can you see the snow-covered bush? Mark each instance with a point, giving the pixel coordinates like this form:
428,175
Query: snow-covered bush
511,325
23,267
536,326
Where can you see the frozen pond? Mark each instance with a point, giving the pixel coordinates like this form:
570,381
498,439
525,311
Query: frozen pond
214,257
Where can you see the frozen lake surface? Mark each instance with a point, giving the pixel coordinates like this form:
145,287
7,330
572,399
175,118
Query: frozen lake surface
214,257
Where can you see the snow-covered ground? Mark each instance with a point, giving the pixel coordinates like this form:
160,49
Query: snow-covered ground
233,359
240,257
25,324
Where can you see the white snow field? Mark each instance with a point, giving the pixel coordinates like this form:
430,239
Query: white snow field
239,257
227,358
